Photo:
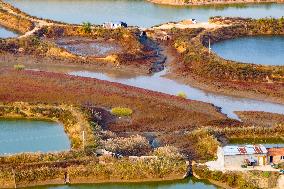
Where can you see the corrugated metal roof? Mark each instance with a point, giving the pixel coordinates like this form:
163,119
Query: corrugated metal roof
246,149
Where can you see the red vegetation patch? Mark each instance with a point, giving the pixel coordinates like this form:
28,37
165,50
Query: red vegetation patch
152,111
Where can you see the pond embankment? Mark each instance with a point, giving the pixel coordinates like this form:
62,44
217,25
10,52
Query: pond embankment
82,169
40,36
81,164
237,179
14,21
205,69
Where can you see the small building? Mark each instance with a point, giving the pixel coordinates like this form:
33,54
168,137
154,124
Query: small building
189,21
236,156
114,25
275,155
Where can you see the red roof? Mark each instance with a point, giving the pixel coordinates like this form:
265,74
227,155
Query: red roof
276,152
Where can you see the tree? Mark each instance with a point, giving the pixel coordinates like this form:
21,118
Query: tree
87,27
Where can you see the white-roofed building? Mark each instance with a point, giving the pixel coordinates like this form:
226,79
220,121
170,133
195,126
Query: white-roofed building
236,156
114,25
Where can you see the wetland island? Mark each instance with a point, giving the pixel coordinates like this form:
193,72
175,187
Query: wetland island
141,94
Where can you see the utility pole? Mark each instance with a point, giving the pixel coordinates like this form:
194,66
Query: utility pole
14,174
83,138
209,46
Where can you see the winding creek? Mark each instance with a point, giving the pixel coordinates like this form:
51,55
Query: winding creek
168,86
137,12
22,135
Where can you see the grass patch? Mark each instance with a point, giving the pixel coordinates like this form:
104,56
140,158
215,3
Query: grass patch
19,67
119,111
181,94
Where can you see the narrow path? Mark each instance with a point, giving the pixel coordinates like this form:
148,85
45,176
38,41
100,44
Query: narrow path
39,23
280,184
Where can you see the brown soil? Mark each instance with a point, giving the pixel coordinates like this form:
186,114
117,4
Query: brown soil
66,65
261,118
89,47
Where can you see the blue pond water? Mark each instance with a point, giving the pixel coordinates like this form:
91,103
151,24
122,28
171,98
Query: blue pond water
23,135
267,50
137,12
4,33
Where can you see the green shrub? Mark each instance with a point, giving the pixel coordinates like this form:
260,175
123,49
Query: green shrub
266,174
182,94
19,67
119,111
87,27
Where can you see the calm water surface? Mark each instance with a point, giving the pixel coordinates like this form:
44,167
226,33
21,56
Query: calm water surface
268,50
137,12
31,136
190,183
4,33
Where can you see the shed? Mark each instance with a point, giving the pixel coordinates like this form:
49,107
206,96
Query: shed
275,155
239,155
114,25
189,21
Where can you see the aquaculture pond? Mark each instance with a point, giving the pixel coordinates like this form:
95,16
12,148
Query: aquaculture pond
161,84
4,33
191,183
267,50
22,135
137,12
89,47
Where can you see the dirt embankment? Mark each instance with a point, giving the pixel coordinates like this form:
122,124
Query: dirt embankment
14,22
261,118
79,167
237,179
210,2
210,72
37,32
82,165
